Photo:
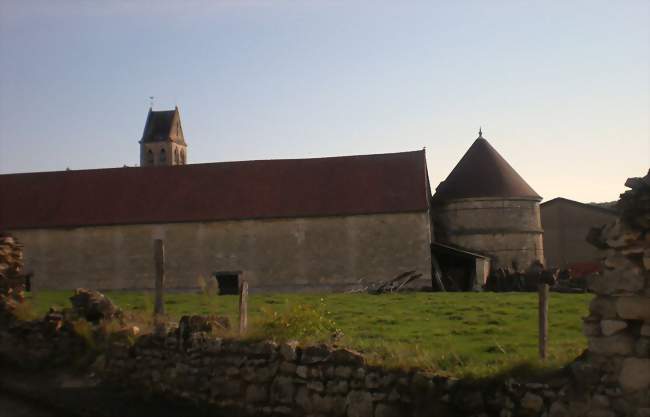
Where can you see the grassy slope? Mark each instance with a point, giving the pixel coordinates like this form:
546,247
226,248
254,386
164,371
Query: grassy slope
460,333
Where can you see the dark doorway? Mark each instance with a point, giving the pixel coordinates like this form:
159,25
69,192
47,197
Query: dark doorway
228,282
458,266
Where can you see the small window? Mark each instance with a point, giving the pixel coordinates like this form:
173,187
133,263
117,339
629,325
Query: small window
228,282
149,157
183,157
177,158
163,157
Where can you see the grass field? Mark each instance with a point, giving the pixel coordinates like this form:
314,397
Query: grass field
465,334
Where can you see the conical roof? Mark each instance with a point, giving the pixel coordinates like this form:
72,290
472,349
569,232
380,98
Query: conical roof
482,172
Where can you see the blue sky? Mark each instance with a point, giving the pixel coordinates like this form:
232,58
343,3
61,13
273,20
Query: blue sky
561,88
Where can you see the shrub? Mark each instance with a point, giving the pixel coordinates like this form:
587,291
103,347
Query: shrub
24,311
304,322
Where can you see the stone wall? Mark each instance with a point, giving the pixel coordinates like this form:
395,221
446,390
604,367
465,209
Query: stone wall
268,379
301,254
618,328
247,378
509,230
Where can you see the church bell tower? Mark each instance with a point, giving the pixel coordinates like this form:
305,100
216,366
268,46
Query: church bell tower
163,143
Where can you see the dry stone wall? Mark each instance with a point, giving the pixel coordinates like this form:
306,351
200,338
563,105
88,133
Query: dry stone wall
617,366
268,379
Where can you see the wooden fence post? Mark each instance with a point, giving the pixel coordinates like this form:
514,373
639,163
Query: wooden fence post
243,307
543,319
159,260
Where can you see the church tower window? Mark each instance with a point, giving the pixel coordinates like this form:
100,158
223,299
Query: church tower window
149,157
163,157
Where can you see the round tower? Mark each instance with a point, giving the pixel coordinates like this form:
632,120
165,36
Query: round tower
485,206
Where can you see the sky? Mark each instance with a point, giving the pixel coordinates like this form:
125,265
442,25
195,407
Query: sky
560,88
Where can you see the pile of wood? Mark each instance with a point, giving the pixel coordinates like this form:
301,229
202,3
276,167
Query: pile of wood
506,280
397,284
12,280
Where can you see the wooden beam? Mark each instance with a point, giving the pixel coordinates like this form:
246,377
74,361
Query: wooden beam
243,307
543,319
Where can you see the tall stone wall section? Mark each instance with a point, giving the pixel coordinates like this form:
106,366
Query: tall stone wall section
507,229
275,255
617,366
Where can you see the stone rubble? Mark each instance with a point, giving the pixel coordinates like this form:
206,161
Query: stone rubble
93,305
616,369
12,279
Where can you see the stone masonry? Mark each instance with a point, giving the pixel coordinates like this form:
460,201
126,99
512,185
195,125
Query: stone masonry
618,326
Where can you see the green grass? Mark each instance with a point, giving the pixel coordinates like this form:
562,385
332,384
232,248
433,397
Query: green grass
465,334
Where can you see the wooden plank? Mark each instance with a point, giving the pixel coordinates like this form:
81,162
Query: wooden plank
543,319
243,307
159,261
437,273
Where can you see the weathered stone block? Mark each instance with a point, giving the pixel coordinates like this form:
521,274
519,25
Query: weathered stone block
645,329
302,371
303,400
288,368
328,405
532,404
359,404
600,401
288,351
282,390
388,410
619,344
373,380
264,348
256,394
343,372
231,388
642,347
610,327
635,374
314,354
604,307
591,327
316,386
601,413
346,357
282,410
633,308
628,280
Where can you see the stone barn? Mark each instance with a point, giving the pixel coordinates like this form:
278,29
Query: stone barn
319,224
484,208
322,224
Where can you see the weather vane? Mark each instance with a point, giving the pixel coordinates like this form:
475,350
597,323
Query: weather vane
151,101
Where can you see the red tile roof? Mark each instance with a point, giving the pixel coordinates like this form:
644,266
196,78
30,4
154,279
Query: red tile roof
384,183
